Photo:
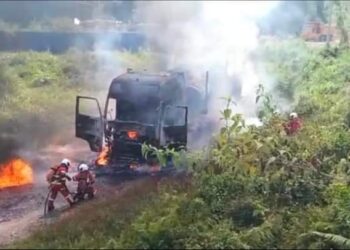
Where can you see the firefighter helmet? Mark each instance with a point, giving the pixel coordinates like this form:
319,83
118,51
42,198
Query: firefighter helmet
66,162
83,167
293,115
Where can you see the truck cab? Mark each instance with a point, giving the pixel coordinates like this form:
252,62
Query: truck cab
141,108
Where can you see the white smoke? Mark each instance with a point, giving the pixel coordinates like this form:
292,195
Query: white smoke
218,36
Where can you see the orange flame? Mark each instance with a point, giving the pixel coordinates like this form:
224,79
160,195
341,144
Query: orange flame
15,172
102,159
132,134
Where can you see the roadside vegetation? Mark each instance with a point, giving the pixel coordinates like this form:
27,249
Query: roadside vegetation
254,187
31,79
38,91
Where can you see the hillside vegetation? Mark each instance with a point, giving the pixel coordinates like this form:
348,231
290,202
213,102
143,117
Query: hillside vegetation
254,187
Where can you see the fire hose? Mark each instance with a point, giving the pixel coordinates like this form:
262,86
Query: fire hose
49,194
47,200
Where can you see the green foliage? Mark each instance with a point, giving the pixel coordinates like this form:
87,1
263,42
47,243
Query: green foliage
246,214
157,226
254,187
163,156
328,240
34,86
268,109
107,218
218,190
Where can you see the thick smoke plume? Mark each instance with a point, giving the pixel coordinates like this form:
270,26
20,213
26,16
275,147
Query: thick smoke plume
209,35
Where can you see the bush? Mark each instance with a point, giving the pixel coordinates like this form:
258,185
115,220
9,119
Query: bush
34,86
257,187
245,214
218,190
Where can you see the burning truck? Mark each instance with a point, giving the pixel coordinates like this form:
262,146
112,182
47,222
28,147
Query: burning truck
141,108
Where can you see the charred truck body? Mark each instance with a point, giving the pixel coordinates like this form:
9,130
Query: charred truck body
154,109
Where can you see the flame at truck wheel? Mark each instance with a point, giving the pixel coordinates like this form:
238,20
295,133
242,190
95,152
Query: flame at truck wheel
15,172
102,159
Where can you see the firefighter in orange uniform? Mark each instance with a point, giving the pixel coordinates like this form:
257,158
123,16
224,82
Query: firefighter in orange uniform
57,177
293,126
85,181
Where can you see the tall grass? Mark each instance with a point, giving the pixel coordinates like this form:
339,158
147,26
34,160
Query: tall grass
38,90
98,223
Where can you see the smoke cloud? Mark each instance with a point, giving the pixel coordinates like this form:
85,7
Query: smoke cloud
218,36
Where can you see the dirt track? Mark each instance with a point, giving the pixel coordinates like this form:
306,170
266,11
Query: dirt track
21,208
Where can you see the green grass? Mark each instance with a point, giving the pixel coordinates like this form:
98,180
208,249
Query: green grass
255,187
105,219
38,90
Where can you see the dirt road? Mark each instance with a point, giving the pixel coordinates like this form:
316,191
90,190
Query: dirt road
22,208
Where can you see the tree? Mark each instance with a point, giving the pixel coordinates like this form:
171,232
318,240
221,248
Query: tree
289,16
341,10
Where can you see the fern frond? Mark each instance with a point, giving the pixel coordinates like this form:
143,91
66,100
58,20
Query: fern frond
335,239
262,235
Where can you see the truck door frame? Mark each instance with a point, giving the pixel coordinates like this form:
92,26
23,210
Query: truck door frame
89,128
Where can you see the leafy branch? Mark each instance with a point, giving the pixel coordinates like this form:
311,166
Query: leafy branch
268,109
163,155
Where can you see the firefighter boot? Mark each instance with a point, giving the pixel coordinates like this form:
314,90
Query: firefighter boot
50,206
91,192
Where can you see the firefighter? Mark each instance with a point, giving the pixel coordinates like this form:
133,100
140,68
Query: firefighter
85,181
293,125
57,177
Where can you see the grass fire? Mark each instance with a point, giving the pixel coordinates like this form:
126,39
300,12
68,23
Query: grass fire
15,172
